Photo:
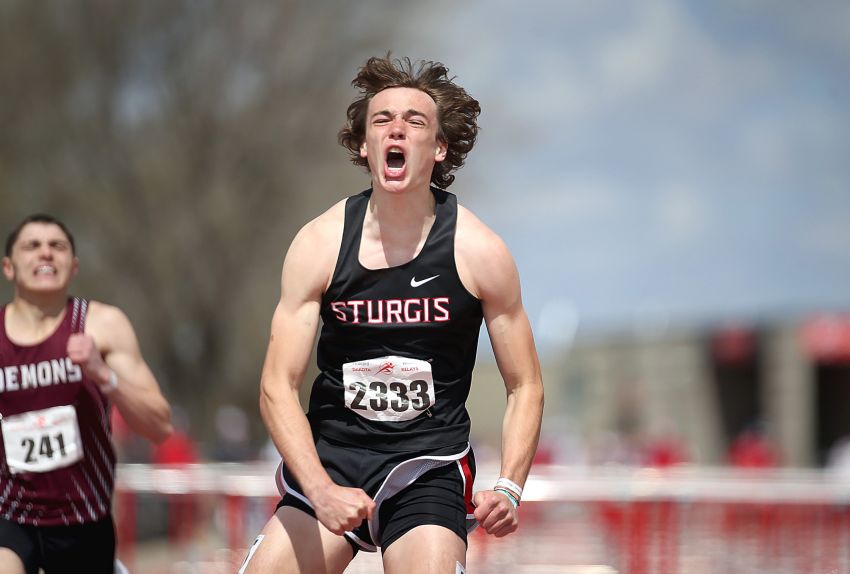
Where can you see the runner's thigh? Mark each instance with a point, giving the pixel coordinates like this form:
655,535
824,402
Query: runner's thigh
428,549
10,563
294,542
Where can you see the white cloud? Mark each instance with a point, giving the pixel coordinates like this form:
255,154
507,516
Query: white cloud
641,57
682,213
557,324
829,236
569,201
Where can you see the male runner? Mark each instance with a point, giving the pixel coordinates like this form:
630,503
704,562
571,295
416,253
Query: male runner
63,362
401,277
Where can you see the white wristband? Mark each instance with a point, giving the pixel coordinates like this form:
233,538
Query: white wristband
111,383
510,485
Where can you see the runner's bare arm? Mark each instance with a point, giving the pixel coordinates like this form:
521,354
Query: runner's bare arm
110,345
306,273
516,357
489,271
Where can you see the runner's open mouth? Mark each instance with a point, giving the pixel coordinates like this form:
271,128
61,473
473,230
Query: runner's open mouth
395,159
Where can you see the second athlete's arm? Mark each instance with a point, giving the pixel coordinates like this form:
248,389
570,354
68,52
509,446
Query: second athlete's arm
109,353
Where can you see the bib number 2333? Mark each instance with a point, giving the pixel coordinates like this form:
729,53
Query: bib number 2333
390,389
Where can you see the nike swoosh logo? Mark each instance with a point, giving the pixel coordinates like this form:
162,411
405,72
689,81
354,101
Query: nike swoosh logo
415,283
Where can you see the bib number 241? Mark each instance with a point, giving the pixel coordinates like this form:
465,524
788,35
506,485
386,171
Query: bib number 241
41,441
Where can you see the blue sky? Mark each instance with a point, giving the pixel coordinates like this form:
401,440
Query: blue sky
657,159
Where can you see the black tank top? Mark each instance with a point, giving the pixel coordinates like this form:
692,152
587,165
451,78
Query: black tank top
397,345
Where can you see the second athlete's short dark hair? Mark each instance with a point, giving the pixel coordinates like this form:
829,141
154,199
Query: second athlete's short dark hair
37,218
457,111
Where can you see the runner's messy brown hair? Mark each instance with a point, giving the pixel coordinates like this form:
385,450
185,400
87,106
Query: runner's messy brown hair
457,111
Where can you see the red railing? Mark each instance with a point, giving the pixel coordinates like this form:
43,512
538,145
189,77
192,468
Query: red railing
588,520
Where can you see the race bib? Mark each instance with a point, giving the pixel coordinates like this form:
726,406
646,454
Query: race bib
41,441
391,389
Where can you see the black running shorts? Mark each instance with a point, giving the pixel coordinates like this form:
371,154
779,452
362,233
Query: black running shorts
409,489
69,549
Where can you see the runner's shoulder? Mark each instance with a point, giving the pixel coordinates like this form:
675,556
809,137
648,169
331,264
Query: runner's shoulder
109,326
322,231
484,262
313,253
475,240
105,315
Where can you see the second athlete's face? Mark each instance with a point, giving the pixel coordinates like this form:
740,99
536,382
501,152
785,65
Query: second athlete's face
401,143
41,260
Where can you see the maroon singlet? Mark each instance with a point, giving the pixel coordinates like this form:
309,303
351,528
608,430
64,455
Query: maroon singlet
42,379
